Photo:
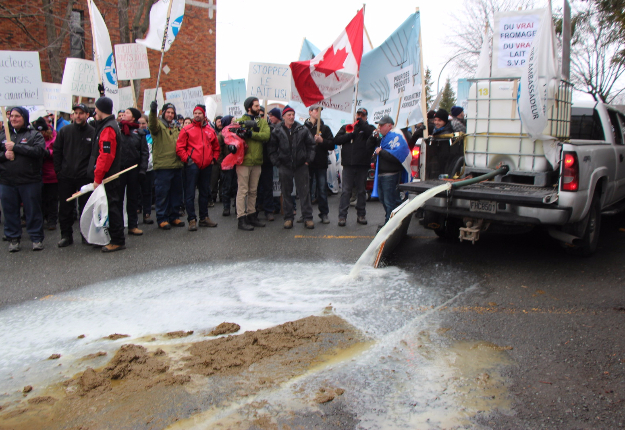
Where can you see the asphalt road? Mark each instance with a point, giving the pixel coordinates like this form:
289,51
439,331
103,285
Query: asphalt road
561,318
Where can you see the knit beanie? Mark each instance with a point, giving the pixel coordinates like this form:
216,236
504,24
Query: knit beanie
168,106
23,112
247,104
41,124
442,114
456,110
226,120
276,112
286,109
104,105
136,113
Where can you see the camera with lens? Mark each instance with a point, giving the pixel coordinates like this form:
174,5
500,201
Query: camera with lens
246,127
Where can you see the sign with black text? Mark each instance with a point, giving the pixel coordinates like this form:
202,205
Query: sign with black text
80,78
20,78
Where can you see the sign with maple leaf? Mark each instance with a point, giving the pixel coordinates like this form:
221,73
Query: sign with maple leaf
332,61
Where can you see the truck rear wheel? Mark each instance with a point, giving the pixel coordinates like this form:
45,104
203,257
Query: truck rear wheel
587,230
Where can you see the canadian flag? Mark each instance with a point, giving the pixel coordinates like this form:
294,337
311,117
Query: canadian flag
334,69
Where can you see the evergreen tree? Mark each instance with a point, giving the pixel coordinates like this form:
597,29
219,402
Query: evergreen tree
448,100
429,97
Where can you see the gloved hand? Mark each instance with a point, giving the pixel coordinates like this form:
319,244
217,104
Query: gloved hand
232,149
153,106
101,89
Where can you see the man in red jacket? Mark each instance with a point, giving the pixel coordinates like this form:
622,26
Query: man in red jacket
198,148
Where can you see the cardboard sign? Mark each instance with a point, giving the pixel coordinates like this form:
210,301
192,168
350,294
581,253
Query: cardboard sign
80,78
54,99
125,98
132,61
512,40
269,81
233,94
148,97
20,78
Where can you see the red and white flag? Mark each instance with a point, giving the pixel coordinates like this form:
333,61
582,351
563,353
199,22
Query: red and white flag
334,69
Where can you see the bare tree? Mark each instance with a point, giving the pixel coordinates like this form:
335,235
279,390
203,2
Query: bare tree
596,67
467,30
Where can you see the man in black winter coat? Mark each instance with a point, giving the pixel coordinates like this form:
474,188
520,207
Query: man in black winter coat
21,158
72,149
356,156
292,149
318,168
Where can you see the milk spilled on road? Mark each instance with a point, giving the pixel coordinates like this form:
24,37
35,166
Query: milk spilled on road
368,257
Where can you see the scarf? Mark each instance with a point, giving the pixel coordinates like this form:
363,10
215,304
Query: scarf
125,126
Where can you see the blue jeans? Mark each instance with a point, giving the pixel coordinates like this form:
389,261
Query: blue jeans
200,178
321,176
30,196
388,193
168,190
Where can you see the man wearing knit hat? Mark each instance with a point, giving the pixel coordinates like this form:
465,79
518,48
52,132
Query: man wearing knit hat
198,148
249,171
134,150
292,149
457,119
167,166
105,161
21,159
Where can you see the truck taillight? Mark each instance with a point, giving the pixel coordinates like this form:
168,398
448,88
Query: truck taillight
570,172
414,163
415,153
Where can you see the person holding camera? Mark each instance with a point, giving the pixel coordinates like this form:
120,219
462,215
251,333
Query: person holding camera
198,148
249,171
356,155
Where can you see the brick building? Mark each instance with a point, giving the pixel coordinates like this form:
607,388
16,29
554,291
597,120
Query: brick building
37,25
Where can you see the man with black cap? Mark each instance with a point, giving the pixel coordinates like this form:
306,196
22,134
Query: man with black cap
249,171
356,155
198,148
457,119
106,161
21,159
134,150
167,166
318,168
292,149
72,150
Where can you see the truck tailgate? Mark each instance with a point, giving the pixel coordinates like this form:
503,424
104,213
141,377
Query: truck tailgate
503,192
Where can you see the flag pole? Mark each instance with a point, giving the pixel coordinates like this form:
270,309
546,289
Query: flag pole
423,96
358,83
95,45
160,67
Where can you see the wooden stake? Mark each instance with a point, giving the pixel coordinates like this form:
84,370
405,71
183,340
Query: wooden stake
134,96
56,113
319,121
5,121
105,181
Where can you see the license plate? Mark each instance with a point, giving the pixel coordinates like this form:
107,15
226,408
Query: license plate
483,206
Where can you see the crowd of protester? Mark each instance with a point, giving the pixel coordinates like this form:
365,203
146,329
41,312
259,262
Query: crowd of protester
164,159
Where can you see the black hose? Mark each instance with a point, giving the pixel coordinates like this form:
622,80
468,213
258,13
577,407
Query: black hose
501,171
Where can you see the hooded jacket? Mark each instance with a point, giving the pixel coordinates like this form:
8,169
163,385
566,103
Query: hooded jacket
164,137
29,151
72,149
321,149
291,148
355,150
199,142
254,145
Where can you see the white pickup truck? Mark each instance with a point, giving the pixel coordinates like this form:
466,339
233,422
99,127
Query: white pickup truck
562,184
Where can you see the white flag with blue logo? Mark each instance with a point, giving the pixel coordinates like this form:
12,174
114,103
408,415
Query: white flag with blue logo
158,21
103,50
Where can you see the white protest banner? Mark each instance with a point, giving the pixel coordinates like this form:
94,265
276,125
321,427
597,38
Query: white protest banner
132,61
125,98
20,78
54,99
269,81
79,78
103,53
218,108
512,40
191,97
211,107
148,97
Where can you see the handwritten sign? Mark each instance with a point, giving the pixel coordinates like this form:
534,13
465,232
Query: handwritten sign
132,61
269,81
233,94
79,78
512,40
20,78
148,97
125,98
216,98
54,99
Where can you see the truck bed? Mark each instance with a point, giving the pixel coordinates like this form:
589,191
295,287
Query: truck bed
503,192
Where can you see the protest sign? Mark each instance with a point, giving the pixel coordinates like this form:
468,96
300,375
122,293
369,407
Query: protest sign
512,40
232,97
191,97
125,98
462,95
54,99
216,98
269,81
79,78
148,97
132,61
20,78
